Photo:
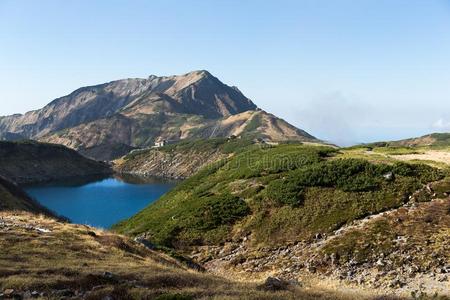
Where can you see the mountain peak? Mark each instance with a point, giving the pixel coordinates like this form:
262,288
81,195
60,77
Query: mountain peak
202,73
134,112
196,76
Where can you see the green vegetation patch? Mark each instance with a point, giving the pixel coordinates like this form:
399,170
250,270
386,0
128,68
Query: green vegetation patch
278,194
223,145
254,123
441,138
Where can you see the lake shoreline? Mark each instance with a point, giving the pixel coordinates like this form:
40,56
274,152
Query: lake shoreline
99,201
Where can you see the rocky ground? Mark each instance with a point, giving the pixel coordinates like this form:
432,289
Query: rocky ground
413,259
173,164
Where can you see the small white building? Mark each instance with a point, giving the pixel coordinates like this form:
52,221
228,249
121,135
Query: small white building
160,143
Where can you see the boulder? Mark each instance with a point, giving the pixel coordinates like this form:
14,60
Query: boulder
274,284
389,176
145,243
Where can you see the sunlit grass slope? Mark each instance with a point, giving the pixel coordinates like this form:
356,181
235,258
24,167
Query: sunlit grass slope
279,194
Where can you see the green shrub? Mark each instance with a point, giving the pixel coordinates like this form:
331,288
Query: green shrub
348,175
221,210
254,123
291,192
273,160
345,174
285,192
424,172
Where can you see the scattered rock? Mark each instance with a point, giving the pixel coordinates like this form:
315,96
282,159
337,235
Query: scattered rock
43,230
64,293
396,283
294,282
389,176
8,292
108,275
380,263
36,294
274,284
146,243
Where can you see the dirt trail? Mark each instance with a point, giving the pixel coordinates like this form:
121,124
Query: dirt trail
434,155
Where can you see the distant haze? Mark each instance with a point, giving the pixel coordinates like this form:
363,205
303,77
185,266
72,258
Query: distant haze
345,71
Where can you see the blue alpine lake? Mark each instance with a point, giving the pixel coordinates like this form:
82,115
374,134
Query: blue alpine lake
100,202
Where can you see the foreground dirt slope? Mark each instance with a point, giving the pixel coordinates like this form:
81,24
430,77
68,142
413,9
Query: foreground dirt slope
47,259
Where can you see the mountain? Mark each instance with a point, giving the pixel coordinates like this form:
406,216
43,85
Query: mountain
434,139
32,162
108,120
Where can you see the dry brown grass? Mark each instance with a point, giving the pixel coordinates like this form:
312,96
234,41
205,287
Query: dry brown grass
76,257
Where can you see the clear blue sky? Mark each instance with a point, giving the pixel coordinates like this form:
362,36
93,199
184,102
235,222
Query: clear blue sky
346,71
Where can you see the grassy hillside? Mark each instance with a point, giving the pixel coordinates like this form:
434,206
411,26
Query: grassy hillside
433,155
361,216
277,195
13,198
45,259
29,162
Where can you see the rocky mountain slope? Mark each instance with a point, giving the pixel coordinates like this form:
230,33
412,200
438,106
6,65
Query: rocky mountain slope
125,114
434,140
31,162
302,212
180,160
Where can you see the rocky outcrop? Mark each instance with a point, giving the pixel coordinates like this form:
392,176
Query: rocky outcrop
133,113
31,162
176,164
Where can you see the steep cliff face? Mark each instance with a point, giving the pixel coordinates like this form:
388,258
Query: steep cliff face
133,113
30,162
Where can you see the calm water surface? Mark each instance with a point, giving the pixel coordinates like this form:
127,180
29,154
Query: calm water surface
100,203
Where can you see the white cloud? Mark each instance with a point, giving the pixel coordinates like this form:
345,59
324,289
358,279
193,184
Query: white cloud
333,117
441,124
